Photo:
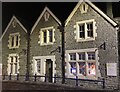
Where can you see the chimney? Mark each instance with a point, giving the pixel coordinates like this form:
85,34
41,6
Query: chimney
109,10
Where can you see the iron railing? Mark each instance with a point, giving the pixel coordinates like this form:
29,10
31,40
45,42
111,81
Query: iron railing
17,78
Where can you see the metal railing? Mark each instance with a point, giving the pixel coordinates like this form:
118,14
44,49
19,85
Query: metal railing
17,78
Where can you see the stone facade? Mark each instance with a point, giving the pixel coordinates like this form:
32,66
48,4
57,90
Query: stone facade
105,32
104,43
21,51
44,52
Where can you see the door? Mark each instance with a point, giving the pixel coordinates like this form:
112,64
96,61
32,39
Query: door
49,69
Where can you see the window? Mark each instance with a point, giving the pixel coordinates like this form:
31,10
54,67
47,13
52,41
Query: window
86,30
84,8
14,40
47,36
38,61
82,63
13,64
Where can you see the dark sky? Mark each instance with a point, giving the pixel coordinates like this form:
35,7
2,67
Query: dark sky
30,11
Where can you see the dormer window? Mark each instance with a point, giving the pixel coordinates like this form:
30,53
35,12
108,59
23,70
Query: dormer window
14,40
46,16
83,8
14,23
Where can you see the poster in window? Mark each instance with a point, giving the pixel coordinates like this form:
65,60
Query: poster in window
111,69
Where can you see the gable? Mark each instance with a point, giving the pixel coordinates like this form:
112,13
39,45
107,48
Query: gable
13,22
45,14
87,2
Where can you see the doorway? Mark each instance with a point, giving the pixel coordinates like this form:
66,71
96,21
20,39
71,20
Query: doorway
49,70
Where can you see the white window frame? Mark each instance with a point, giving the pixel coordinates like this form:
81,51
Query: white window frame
83,5
14,62
14,43
43,65
68,72
85,30
41,37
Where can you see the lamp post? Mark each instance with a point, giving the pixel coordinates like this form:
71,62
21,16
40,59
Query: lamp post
61,27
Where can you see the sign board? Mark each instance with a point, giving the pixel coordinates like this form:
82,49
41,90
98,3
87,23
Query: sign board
111,69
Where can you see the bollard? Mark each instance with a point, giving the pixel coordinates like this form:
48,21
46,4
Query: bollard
18,76
76,80
35,77
10,76
55,78
45,78
103,83
4,77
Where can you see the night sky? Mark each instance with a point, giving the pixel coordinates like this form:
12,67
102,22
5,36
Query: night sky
30,11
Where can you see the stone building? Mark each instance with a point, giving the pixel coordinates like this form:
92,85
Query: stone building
45,43
14,47
91,45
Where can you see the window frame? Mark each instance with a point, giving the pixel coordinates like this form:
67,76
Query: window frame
14,63
86,61
41,36
86,38
13,39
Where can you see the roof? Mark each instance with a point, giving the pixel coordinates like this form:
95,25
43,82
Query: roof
39,18
13,17
111,21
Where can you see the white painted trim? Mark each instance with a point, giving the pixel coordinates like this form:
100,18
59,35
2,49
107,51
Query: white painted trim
39,18
78,39
41,36
67,60
10,24
43,65
96,8
9,40
8,64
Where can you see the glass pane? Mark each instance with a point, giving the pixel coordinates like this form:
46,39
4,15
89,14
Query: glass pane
81,56
11,59
91,69
44,36
12,41
16,59
38,65
17,40
90,30
81,31
50,35
82,68
15,68
72,56
91,55
11,68
73,67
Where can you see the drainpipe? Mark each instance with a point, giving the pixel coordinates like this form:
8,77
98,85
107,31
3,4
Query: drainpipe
28,56
63,51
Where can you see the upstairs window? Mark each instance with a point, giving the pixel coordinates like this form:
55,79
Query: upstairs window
14,40
85,30
47,36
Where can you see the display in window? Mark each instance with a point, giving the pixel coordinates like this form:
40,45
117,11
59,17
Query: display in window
73,68
82,69
91,69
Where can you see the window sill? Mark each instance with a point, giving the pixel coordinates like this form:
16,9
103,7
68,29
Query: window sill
44,44
14,47
82,77
85,40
